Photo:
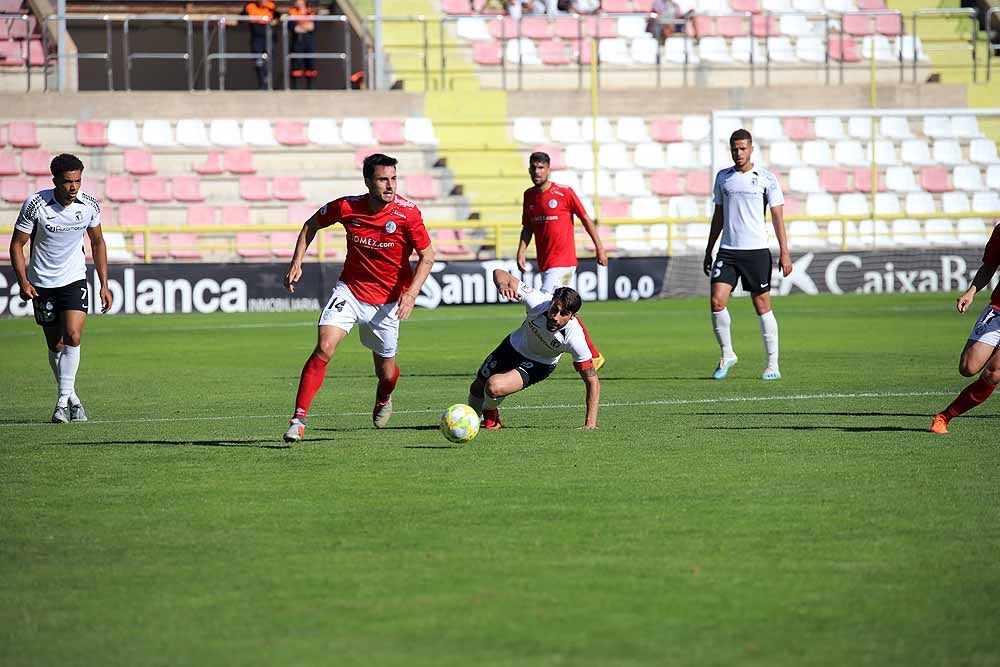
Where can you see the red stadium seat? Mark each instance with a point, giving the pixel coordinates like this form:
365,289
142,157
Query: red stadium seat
666,130
15,190
486,53
505,28
92,185
388,132
92,133
557,159
119,188
614,208
845,49
361,153
421,187
644,6
745,6
859,24
290,133
456,7
11,53
133,215
799,129
36,54
36,162
236,215
297,214
835,180
45,182
890,25
666,183
254,188
616,6
553,52
766,26
139,162
446,241
252,245
935,179
535,27
153,189
22,134
698,183
733,26
705,25
863,180
8,165
212,164
200,216
282,245
183,246
288,188
238,161
871,4
187,189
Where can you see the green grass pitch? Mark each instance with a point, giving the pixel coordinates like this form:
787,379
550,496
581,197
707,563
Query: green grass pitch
810,521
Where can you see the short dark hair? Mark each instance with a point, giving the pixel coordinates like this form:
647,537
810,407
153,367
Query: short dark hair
539,156
568,298
740,135
376,160
65,162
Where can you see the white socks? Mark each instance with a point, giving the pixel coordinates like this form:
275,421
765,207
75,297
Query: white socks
492,403
476,403
769,332
69,362
54,365
720,325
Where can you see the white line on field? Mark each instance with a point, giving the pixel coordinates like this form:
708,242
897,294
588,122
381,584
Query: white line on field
556,406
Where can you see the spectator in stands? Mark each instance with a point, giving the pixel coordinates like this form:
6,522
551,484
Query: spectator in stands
303,41
262,14
585,6
670,19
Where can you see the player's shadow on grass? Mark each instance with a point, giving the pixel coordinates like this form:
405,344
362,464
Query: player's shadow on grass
845,429
252,444
348,429
839,414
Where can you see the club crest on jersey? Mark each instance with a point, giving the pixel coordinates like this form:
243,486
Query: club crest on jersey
390,227
753,182
79,216
553,203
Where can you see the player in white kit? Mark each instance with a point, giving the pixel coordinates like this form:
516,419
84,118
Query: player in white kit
55,276
742,195
531,352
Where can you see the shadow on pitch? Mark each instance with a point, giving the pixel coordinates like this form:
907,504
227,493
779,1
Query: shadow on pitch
844,429
352,429
838,414
252,444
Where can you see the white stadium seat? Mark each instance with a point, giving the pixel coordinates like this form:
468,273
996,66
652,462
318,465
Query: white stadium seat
566,177
986,202
323,132
123,133
916,152
357,132
631,130
965,127
565,130
794,25
747,50
967,177
776,5
631,238
877,230
906,44
613,156
767,129
780,50
804,234
983,151
878,47
919,203
632,27
938,127
894,127
614,51
605,133
807,5
940,232
650,156
901,179
681,155
419,131
473,28
225,132
683,207
860,127
158,133
192,132
696,234
947,152
605,184
885,153
955,202
630,183
829,127
646,208
529,131
658,237
993,177
887,203
644,50
835,233
258,132
817,153
907,232
579,156
971,231
810,49
804,179
521,50
724,128
679,51
696,128
853,203
850,153
783,154
821,204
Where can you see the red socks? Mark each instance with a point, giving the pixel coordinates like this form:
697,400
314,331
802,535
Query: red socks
970,397
385,387
586,334
310,382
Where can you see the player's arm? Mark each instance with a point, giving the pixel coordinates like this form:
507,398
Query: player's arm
593,388
17,242
100,251
979,281
591,227
506,284
306,236
425,262
522,248
713,235
778,222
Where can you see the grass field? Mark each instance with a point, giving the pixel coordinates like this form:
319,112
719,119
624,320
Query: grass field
811,521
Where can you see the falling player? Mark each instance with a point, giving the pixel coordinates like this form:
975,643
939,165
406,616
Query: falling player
55,277
742,194
377,287
531,352
980,354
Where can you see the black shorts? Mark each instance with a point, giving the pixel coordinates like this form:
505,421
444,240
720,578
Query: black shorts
751,267
54,300
505,358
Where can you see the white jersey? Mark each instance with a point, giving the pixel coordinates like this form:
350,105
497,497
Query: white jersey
533,339
57,232
744,198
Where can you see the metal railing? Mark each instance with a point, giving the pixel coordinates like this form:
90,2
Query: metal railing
25,21
65,58
344,57
992,37
969,13
186,56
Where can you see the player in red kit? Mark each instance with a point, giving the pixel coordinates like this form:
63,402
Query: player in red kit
547,214
980,354
377,287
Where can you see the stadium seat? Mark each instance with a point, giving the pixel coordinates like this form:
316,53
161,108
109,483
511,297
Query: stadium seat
421,187
839,233
878,47
784,154
605,132
419,131
965,127
844,49
36,162
565,130
153,189
632,238
767,129
605,184
809,49
133,215
486,53
472,28
983,151
938,127
201,216
119,189
528,130
801,129
187,189
863,180
695,128
894,127
613,156
935,179
258,132
680,51
644,208
225,132
993,177
138,162
456,7
713,50
915,152
780,50
388,132
614,209
644,51
239,215
650,156
907,232
804,234
887,203
521,50
14,190
557,159
238,161
183,246
849,153
901,179
158,133
804,179
252,245
569,178
212,164
817,153
580,156
8,165
876,231
940,232
955,202
853,203
123,133
885,153
116,247
906,44
357,132
323,132
948,152
860,127
292,132
666,130
859,25
971,231
614,51
192,132
748,50
682,156
45,182
685,207
254,188
820,204
92,133
919,203
630,183
986,202
834,181
631,130
288,188
968,178
698,183
695,234
869,5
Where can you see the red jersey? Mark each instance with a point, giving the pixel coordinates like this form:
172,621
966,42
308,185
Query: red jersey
992,256
377,268
550,216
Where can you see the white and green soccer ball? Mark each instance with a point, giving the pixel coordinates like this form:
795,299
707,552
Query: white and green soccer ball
459,423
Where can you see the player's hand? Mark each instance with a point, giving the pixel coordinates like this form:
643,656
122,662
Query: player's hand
292,277
405,306
965,300
106,299
522,262
707,264
785,261
28,292
602,256
508,291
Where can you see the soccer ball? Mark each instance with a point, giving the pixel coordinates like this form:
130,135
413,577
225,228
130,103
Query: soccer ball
459,423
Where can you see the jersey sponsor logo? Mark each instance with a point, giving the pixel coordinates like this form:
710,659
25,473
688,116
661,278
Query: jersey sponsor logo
64,228
372,243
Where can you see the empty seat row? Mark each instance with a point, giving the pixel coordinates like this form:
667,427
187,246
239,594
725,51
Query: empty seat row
463,8
850,153
914,203
837,180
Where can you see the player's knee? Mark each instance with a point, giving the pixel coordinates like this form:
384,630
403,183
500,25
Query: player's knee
718,305
71,338
494,387
476,388
992,374
966,369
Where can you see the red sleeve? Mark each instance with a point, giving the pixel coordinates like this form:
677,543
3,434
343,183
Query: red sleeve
581,366
330,213
416,232
524,209
575,206
992,253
